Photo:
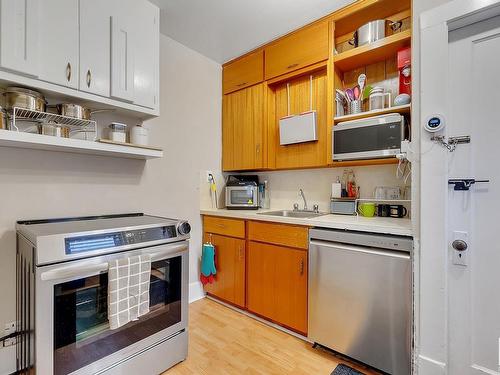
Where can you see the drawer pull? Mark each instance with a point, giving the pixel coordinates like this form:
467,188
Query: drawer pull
241,84
292,66
68,72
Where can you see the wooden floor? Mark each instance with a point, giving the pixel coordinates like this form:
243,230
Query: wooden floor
223,341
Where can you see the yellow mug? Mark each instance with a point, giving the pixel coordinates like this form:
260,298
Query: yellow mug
366,209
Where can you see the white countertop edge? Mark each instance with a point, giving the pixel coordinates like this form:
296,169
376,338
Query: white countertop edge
398,227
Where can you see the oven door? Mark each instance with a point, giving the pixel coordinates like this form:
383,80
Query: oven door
73,335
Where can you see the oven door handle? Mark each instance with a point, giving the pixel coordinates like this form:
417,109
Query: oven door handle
160,255
83,271
71,272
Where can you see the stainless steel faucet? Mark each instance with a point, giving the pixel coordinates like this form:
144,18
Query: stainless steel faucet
301,193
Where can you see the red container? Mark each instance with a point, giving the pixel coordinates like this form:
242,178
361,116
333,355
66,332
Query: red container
404,67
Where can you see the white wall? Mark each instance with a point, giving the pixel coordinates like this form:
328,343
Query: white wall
42,184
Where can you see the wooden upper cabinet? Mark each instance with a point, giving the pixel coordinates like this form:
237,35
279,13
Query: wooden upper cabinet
302,48
244,72
243,129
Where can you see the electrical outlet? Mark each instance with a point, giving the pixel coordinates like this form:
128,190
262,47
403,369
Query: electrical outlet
208,178
9,328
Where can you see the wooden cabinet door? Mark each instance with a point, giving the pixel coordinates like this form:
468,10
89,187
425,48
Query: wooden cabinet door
19,36
302,48
230,260
244,72
58,48
243,126
277,284
95,46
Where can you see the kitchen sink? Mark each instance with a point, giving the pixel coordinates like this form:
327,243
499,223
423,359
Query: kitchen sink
294,213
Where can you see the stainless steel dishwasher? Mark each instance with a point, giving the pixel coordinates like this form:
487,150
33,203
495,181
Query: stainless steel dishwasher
360,301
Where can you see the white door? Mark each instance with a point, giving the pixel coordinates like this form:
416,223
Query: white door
19,36
59,42
473,216
146,52
95,46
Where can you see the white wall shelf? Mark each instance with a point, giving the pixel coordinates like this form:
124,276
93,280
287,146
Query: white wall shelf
45,142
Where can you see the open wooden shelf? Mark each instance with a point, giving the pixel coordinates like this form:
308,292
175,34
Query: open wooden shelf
373,52
15,139
401,109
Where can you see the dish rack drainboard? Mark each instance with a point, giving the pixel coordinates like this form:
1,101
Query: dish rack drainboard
21,115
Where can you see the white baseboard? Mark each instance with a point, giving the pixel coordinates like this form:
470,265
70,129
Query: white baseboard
196,291
429,366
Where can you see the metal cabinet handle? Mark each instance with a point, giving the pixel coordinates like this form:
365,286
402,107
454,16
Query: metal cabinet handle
68,72
301,267
292,66
257,149
89,78
241,253
241,84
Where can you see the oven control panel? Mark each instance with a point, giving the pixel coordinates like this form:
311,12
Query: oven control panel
81,244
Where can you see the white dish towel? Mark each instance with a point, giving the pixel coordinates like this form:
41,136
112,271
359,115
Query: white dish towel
128,289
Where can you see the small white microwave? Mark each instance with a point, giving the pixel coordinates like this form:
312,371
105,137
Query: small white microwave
369,138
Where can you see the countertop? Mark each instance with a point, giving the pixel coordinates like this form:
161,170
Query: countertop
385,225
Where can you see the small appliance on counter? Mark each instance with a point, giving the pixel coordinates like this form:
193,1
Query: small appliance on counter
343,206
242,192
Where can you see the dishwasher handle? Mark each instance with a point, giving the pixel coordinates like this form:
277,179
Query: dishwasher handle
360,249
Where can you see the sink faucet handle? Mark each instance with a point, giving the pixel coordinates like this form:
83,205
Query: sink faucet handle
316,208
295,206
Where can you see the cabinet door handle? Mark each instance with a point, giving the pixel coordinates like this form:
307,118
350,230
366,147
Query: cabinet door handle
241,84
241,253
257,149
292,66
68,72
301,267
89,78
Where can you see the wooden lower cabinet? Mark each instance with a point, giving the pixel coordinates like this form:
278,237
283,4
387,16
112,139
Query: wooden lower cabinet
230,260
277,284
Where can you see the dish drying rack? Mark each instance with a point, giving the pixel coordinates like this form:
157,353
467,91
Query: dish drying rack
20,115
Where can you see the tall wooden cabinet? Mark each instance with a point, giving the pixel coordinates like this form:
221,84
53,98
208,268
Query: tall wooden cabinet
244,129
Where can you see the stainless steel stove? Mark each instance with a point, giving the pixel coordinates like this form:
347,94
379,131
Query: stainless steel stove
62,295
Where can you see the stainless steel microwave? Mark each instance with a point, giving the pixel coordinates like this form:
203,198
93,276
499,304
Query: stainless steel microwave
242,192
369,138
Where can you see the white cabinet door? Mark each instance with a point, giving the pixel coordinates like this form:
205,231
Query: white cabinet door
147,55
122,57
59,42
19,36
95,46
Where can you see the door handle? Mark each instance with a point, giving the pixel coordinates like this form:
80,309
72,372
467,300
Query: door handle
68,72
241,253
301,267
292,66
89,78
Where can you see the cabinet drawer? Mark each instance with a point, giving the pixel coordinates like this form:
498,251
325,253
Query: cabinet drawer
244,72
300,49
226,227
279,234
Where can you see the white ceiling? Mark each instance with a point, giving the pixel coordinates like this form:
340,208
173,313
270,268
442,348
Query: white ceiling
224,29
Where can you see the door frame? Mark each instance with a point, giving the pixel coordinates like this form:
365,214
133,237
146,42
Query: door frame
431,350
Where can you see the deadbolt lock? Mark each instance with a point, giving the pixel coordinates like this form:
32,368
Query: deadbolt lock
459,245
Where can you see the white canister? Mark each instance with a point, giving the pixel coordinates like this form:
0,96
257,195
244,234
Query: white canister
377,99
139,135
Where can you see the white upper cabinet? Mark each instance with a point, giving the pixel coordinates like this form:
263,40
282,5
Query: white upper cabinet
146,52
95,46
58,42
19,36
122,55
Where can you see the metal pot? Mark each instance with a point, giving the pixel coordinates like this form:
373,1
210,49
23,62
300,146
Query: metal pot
74,110
24,98
3,119
53,129
372,31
